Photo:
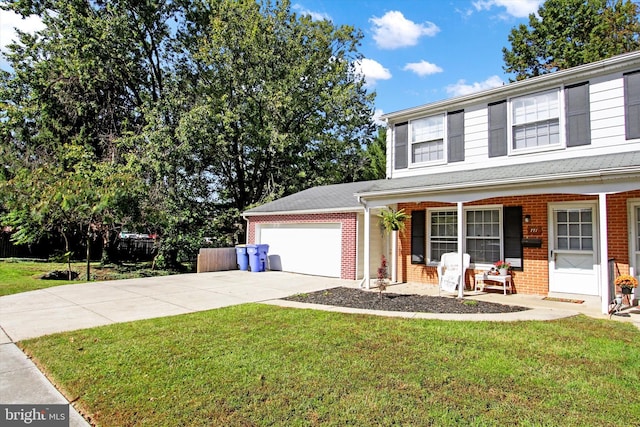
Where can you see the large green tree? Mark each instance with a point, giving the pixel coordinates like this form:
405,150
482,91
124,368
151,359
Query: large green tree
266,103
567,33
233,104
75,89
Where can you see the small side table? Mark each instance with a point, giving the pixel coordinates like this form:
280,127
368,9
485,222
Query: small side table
505,282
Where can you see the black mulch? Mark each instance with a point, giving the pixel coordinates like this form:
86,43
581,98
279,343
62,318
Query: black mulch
356,298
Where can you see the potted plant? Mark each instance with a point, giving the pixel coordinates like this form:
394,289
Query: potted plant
393,220
503,267
626,283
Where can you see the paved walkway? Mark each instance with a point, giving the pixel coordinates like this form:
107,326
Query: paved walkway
70,307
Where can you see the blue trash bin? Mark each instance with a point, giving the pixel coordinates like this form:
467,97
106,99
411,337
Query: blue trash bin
257,257
254,259
263,250
242,259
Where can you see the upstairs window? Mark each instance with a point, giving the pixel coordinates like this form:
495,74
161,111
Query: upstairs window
427,139
535,120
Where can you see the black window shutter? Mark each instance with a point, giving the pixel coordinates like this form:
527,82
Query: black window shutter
577,110
455,136
512,227
400,147
632,104
418,242
498,129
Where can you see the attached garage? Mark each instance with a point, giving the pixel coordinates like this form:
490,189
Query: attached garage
313,248
318,231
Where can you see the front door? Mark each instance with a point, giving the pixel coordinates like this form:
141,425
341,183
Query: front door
573,248
635,238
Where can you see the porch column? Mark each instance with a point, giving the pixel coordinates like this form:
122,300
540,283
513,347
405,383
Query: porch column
394,256
605,293
460,251
367,249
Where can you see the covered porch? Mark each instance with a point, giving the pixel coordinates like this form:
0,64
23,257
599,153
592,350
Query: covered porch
559,223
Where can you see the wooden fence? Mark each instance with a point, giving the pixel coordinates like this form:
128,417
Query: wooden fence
217,259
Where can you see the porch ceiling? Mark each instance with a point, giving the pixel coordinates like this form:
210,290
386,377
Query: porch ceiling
610,173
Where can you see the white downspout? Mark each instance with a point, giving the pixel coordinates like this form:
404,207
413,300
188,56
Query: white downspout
460,251
605,293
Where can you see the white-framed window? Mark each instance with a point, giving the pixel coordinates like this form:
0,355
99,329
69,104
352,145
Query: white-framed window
427,135
535,121
482,233
442,233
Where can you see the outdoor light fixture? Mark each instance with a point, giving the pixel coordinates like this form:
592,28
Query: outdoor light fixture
527,218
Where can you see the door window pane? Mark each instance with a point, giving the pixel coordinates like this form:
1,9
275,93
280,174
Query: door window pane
574,229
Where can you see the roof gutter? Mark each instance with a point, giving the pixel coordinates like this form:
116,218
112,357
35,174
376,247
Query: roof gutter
581,176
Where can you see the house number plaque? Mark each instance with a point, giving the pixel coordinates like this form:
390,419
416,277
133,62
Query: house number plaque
535,231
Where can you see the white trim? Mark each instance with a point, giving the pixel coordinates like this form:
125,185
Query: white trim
603,246
500,208
511,150
307,211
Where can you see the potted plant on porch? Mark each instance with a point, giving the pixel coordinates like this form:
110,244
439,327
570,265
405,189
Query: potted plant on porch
393,220
626,283
502,267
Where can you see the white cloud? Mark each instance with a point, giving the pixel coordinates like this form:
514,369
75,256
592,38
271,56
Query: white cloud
462,88
516,8
376,117
422,68
393,30
372,71
9,20
315,16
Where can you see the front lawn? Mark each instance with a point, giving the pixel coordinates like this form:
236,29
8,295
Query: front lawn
21,276
264,365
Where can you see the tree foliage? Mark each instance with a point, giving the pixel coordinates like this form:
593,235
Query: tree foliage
174,116
567,33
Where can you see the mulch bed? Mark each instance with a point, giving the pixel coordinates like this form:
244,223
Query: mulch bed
357,298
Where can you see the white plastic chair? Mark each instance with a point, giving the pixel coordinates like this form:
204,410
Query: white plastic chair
449,272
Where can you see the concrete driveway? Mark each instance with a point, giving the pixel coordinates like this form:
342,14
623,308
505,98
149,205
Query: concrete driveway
69,307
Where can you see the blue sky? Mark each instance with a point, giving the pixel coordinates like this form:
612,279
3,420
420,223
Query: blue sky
421,51
416,51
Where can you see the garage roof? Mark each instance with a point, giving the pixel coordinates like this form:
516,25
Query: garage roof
325,198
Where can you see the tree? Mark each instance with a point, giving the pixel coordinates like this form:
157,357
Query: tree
76,88
278,105
567,33
376,157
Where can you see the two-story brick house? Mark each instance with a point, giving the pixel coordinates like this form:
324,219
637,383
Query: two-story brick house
544,173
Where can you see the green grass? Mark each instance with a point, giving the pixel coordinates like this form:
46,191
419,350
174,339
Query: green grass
21,276
263,365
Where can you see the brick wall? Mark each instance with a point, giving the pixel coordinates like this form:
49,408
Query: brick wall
534,277
347,220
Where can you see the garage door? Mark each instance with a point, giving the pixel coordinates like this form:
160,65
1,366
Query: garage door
303,248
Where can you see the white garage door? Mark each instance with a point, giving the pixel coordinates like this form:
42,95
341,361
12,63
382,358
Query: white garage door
303,248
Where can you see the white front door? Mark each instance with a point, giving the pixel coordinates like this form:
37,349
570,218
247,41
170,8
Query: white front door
634,222
573,248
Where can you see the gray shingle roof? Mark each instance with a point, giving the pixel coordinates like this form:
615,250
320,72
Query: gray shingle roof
322,198
513,173
342,197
